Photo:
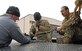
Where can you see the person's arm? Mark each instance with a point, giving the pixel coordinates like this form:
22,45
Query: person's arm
32,31
18,36
59,30
73,20
45,27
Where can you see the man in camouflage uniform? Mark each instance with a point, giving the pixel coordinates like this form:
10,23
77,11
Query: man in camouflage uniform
40,28
71,26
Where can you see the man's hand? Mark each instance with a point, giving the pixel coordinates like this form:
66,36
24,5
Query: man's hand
58,29
26,34
31,36
78,2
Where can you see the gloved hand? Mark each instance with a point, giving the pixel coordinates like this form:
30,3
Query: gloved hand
26,34
31,36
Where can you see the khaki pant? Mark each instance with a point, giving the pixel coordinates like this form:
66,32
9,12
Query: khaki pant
67,37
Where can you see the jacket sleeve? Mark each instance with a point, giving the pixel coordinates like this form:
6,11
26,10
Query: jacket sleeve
61,33
18,36
73,20
45,26
32,30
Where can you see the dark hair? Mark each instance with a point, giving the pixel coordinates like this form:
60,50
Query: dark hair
13,10
37,16
66,8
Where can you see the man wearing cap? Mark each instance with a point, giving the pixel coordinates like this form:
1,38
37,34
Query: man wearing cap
9,29
40,28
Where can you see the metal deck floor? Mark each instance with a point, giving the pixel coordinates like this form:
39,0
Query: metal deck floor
42,46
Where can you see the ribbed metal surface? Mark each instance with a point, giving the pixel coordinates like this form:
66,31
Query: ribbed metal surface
42,46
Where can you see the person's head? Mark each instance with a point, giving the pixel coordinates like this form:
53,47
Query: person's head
64,11
13,12
37,16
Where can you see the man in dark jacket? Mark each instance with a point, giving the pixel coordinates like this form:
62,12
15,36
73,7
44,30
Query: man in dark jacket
9,29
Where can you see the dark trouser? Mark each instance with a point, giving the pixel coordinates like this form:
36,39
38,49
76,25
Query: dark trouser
76,40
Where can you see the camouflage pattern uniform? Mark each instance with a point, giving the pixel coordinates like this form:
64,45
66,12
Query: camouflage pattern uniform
41,31
72,26
69,28
78,1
